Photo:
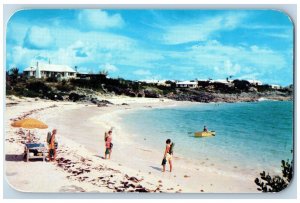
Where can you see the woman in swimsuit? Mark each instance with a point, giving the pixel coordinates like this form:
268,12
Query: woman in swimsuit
167,156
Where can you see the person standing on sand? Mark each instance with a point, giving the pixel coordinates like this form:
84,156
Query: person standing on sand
29,139
108,144
168,155
52,149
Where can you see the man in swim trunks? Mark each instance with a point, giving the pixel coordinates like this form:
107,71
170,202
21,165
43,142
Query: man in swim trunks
167,156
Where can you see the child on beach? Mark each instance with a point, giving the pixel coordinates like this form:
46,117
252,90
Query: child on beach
168,155
108,144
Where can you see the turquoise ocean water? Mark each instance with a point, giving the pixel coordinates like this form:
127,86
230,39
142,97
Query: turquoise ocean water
250,136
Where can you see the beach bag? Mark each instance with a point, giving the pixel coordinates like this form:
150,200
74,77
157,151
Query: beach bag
111,145
164,161
49,135
171,148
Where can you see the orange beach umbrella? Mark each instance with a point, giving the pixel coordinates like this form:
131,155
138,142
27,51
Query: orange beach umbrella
29,123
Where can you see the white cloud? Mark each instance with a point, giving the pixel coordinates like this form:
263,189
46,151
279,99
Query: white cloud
16,31
86,49
252,76
201,30
38,38
265,26
228,68
216,60
98,19
85,70
142,72
139,57
215,54
284,35
109,67
106,41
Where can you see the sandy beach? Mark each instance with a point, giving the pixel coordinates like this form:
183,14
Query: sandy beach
80,167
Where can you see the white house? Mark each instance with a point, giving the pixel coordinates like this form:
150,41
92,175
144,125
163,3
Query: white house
150,81
255,82
163,83
203,80
187,84
156,82
221,81
50,70
275,87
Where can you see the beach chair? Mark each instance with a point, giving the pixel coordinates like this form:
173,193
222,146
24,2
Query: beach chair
35,151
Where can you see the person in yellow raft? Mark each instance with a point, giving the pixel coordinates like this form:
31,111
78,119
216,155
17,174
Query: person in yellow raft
205,129
168,155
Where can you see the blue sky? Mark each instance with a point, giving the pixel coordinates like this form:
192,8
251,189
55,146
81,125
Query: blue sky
157,44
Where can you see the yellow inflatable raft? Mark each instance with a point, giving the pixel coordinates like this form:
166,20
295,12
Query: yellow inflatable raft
205,134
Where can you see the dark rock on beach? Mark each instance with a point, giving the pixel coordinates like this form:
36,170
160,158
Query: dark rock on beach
75,97
152,94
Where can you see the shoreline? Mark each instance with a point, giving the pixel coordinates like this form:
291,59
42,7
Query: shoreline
233,170
146,164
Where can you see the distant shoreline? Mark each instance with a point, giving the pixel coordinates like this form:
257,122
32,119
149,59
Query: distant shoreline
101,99
100,86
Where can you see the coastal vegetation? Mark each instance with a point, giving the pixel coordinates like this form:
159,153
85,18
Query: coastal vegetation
277,183
97,84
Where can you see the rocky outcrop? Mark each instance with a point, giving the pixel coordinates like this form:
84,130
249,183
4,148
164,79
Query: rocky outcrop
75,97
152,94
206,97
190,97
88,99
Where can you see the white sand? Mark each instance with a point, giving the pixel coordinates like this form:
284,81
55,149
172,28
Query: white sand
81,129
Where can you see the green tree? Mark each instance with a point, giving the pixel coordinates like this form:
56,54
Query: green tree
14,73
242,85
104,72
276,183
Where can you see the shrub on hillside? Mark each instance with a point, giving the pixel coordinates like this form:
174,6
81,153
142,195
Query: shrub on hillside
38,86
52,79
242,85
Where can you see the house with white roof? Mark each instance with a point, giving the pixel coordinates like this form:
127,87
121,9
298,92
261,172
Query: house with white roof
255,82
163,83
187,84
150,81
275,87
156,82
50,70
203,80
221,81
